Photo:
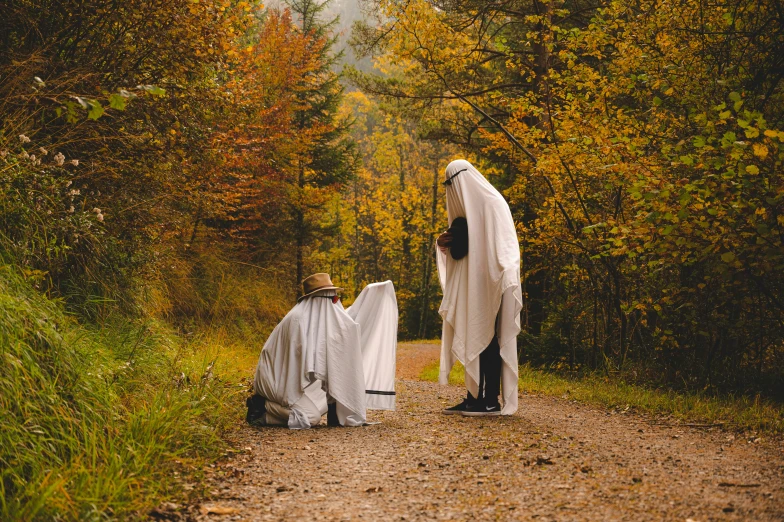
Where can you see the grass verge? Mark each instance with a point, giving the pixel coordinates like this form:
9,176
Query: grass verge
98,421
741,413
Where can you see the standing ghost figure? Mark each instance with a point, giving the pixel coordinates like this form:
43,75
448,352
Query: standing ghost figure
479,270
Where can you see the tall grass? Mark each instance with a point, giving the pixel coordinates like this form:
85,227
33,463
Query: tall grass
734,412
94,419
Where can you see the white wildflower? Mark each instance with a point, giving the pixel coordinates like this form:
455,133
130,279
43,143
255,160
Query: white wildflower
100,217
32,158
75,162
97,210
3,153
74,192
24,154
24,139
71,210
59,158
43,151
68,184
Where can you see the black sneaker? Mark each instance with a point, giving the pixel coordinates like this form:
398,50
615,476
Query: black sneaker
256,410
482,409
458,409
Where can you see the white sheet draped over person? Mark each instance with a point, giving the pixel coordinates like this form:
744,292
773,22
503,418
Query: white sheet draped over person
375,309
321,358
482,294
312,362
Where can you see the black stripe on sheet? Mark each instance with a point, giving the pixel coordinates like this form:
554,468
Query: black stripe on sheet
376,392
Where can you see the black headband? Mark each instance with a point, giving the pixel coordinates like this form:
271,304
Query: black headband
449,180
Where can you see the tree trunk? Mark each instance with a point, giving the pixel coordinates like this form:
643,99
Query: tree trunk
300,229
429,259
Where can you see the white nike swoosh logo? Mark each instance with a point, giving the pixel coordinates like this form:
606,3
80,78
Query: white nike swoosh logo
488,408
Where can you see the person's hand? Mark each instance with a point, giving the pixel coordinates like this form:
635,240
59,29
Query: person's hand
444,241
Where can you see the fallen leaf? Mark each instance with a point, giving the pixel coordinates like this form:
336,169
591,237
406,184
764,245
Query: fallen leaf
217,509
374,489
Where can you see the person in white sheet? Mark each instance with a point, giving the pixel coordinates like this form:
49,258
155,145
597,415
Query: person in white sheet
479,270
311,365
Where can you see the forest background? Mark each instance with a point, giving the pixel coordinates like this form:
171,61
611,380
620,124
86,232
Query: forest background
170,171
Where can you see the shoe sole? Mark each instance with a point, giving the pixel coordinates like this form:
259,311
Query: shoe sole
480,413
451,412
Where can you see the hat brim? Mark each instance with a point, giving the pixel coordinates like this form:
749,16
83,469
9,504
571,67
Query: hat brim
318,290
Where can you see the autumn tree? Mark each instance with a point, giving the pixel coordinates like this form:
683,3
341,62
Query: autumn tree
387,218
642,152
113,87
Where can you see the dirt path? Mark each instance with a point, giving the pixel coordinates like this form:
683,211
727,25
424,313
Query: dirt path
554,460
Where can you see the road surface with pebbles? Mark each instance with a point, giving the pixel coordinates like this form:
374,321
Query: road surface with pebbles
554,460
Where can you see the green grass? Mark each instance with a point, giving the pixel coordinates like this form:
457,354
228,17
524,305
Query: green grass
425,341
741,413
95,420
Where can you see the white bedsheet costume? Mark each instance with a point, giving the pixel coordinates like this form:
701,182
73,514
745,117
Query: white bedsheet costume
376,312
482,293
319,350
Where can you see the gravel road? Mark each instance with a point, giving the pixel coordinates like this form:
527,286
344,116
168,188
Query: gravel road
554,460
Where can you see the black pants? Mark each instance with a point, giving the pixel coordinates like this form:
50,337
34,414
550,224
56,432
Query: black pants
490,372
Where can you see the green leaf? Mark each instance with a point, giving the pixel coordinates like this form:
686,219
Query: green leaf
699,141
728,139
728,257
591,227
734,96
117,102
752,169
96,111
152,89
657,101
71,116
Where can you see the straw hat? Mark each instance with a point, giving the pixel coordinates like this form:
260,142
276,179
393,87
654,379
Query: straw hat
316,282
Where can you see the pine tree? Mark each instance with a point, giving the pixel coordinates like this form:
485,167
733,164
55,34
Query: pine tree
327,157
